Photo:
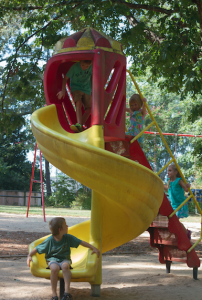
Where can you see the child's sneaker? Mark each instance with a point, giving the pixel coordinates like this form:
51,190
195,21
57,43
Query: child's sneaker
77,128
189,234
54,298
66,296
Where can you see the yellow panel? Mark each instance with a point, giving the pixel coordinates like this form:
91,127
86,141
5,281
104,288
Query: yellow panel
86,40
126,196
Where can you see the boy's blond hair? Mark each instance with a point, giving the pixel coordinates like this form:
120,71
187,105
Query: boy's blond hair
136,98
55,224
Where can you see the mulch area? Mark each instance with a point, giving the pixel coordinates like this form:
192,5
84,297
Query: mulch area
15,243
140,245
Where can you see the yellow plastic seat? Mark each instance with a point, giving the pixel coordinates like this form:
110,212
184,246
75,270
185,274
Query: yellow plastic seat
84,264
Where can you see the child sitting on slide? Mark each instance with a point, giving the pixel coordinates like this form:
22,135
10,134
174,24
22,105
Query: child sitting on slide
58,254
80,75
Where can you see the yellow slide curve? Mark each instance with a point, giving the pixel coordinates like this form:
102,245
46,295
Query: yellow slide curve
126,196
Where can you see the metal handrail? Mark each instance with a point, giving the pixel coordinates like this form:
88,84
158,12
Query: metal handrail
178,208
172,160
168,163
141,133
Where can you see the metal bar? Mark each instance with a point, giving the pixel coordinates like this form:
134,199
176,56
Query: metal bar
159,130
24,198
62,287
168,265
169,151
41,174
195,273
30,190
174,212
173,134
163,139
170,161
194,245
141,133
11,196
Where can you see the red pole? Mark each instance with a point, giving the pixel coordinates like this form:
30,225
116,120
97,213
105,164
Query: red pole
30,190
176,134
41,174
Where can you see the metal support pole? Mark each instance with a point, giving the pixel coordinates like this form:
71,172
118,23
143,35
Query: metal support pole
30,190
42,195
195,273
62,287
41,181
24,198
168,264
95,290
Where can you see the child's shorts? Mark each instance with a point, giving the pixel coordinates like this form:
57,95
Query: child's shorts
85,98
59,263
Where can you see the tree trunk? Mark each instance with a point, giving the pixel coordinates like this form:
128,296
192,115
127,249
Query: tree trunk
48,182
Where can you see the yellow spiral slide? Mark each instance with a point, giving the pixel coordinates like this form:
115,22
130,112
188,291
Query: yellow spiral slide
126,196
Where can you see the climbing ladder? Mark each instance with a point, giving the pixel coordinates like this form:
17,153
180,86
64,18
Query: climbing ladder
166,231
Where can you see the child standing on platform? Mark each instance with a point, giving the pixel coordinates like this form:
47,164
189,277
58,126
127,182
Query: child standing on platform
58,254
80,75
137,112
176,188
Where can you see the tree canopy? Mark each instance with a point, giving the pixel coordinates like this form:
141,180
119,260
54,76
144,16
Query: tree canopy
165,36
15,170
170,113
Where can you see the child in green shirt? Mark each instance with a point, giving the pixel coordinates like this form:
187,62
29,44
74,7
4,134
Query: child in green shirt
58,254
80,75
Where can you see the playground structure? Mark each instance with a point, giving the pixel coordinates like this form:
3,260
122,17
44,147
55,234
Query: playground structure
127,195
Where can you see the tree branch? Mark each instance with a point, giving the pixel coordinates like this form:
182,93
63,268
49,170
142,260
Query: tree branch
151,36
27,8
25,113
15,58
27,55
19,8
20,46
146,7
199,6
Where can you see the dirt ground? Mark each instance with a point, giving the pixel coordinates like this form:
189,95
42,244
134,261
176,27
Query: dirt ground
131,271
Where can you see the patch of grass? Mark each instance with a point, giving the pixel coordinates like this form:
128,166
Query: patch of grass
192,218
62,211
54,211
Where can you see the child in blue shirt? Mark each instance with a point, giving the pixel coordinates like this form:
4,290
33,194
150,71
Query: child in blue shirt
176,188
137,112
80,75
58,254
